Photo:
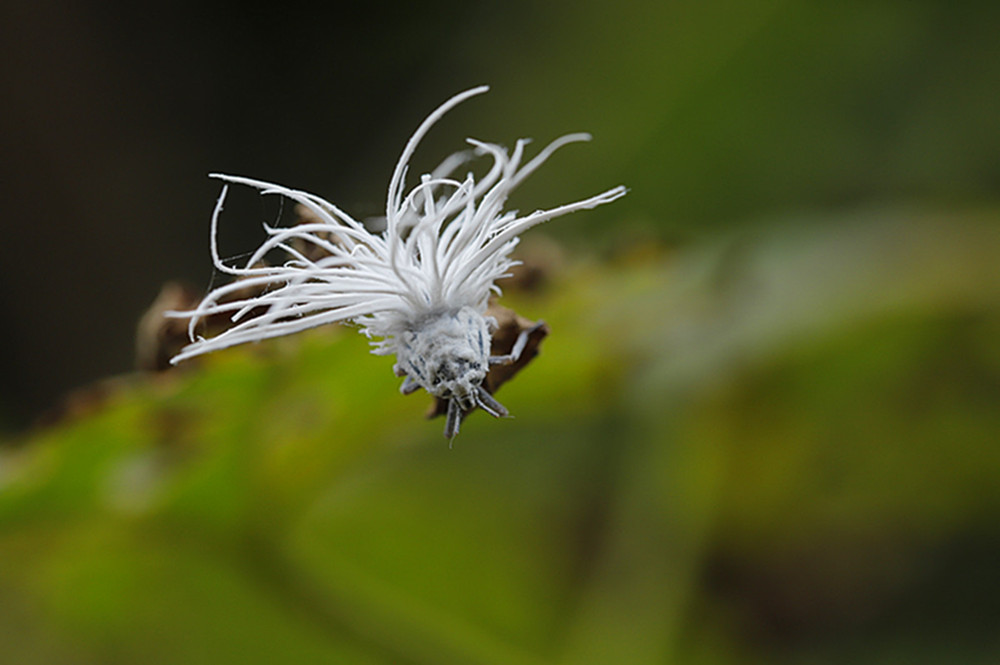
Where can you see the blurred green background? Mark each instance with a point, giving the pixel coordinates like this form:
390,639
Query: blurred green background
765,426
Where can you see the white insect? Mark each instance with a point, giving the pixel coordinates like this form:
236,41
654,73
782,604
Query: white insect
421,285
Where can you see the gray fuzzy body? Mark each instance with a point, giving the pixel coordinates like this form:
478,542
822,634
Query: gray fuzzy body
447,354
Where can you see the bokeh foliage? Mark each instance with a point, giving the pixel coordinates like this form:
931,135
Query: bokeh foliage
774,447
744,442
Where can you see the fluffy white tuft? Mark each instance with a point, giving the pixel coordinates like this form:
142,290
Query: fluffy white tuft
445,243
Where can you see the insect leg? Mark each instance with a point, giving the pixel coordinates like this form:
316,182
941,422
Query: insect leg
409,385
454,420
489,404
519,344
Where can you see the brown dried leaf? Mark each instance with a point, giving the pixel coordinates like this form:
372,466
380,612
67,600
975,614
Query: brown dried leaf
159,338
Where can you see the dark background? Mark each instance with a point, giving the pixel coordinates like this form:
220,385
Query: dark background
715,114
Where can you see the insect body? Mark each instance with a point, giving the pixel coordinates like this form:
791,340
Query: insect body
447,355
421,286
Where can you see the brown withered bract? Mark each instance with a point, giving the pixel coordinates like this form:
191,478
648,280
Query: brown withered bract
159,338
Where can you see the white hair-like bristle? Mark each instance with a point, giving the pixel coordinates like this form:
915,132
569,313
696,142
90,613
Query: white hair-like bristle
446,241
